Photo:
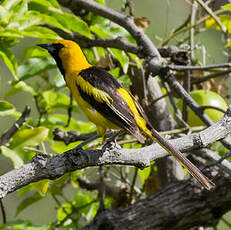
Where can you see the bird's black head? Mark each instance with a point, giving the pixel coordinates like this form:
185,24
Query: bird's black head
53,49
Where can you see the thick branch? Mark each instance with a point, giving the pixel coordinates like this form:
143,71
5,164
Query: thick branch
43,166
180,205
85,42
119,18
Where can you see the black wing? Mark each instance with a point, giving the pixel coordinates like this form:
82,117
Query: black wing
117,111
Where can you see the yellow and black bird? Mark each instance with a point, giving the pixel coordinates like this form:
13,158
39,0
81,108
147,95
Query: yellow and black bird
106,103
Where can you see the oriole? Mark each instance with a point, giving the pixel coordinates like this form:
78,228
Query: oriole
106,103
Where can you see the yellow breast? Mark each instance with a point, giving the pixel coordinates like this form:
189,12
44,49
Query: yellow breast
101,122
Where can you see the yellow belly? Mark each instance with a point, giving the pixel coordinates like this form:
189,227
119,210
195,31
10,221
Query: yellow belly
99,120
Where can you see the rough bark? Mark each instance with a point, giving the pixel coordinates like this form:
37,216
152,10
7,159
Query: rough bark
45,166
180,205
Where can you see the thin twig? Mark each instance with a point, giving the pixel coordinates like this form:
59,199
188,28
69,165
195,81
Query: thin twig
69,111
3,212
85,42
14,128
101,189
204,107
226,222
216,159
133,184
197,80
188,26
215,66
178,113
213,15
71,136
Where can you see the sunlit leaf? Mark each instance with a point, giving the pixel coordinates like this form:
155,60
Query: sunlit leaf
20,86
64,211
225,20
8,4
56,100
23,225
6,108
34,66
60,19
21,8
29,137
76,24
227,7
40,32
81,200
4,15
9,60
100,31
12,155
115,72
144,173
122,58
42,186
102,2
48,3
126,81
59,80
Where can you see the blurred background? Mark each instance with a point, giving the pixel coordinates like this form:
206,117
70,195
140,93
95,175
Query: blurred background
163,17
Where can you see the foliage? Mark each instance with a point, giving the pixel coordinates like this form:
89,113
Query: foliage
35,73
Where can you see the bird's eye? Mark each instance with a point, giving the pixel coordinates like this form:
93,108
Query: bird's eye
59,46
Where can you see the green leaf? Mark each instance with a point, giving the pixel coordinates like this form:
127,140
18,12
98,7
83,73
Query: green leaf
33,52
126,81
34,66
55,100
77,25
8,4
9,60
27,202
54,3
21,86
4,15
6,108
28,137
144,173
60,19
26,22
40,32
16,224
42,186
17,161
225,19
102,2
100,31
21,8
115,72
122,58
81,200
52,20
47,3
227,7
59,80
64,211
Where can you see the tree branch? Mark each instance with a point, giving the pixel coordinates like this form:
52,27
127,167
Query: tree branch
126,22
4,139
215,66
47,167
150,51
174,207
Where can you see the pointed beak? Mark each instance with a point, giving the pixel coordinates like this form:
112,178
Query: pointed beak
48,47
